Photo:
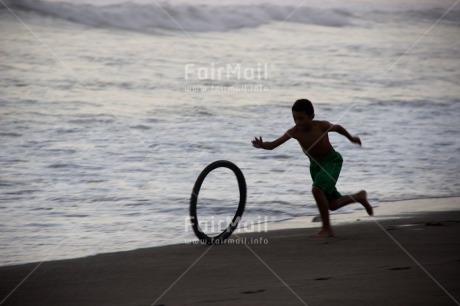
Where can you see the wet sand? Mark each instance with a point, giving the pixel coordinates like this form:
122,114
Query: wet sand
409,254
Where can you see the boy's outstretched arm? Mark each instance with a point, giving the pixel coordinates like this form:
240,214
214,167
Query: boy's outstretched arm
342,131
269,145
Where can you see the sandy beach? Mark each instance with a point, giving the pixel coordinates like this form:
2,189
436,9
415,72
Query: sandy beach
407,255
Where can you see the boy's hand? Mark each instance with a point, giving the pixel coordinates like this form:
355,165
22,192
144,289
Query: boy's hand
258,143
356,139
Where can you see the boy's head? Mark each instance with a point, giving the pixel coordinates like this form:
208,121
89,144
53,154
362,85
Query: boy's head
304,106
303,113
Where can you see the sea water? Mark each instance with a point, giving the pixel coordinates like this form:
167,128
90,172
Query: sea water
110,110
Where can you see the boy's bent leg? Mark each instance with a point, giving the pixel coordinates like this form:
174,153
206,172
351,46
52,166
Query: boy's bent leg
323,207
360,197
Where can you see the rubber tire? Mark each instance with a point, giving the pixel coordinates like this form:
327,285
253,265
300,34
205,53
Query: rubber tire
194,198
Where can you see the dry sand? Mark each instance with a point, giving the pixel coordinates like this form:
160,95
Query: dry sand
409,254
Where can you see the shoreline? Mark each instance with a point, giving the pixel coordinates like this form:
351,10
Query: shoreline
383,210
410,258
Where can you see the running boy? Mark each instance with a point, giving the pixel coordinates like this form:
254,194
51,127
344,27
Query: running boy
325,162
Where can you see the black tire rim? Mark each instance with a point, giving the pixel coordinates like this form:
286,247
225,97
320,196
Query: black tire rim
194,200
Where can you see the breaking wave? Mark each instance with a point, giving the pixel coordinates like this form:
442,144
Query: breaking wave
184,17
155,17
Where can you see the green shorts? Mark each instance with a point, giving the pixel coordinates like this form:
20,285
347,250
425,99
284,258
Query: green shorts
325,173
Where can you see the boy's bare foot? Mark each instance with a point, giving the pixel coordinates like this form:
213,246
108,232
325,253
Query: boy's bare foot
362,198
323,234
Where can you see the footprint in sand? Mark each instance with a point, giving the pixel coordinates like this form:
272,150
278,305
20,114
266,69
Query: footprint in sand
322,278
252,292
400,268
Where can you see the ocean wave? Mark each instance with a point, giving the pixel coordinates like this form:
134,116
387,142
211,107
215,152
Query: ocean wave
155,17
434,14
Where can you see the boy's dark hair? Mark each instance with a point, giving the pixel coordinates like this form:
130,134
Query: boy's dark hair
303,105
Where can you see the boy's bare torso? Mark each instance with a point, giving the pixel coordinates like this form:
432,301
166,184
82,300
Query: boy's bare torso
313,139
